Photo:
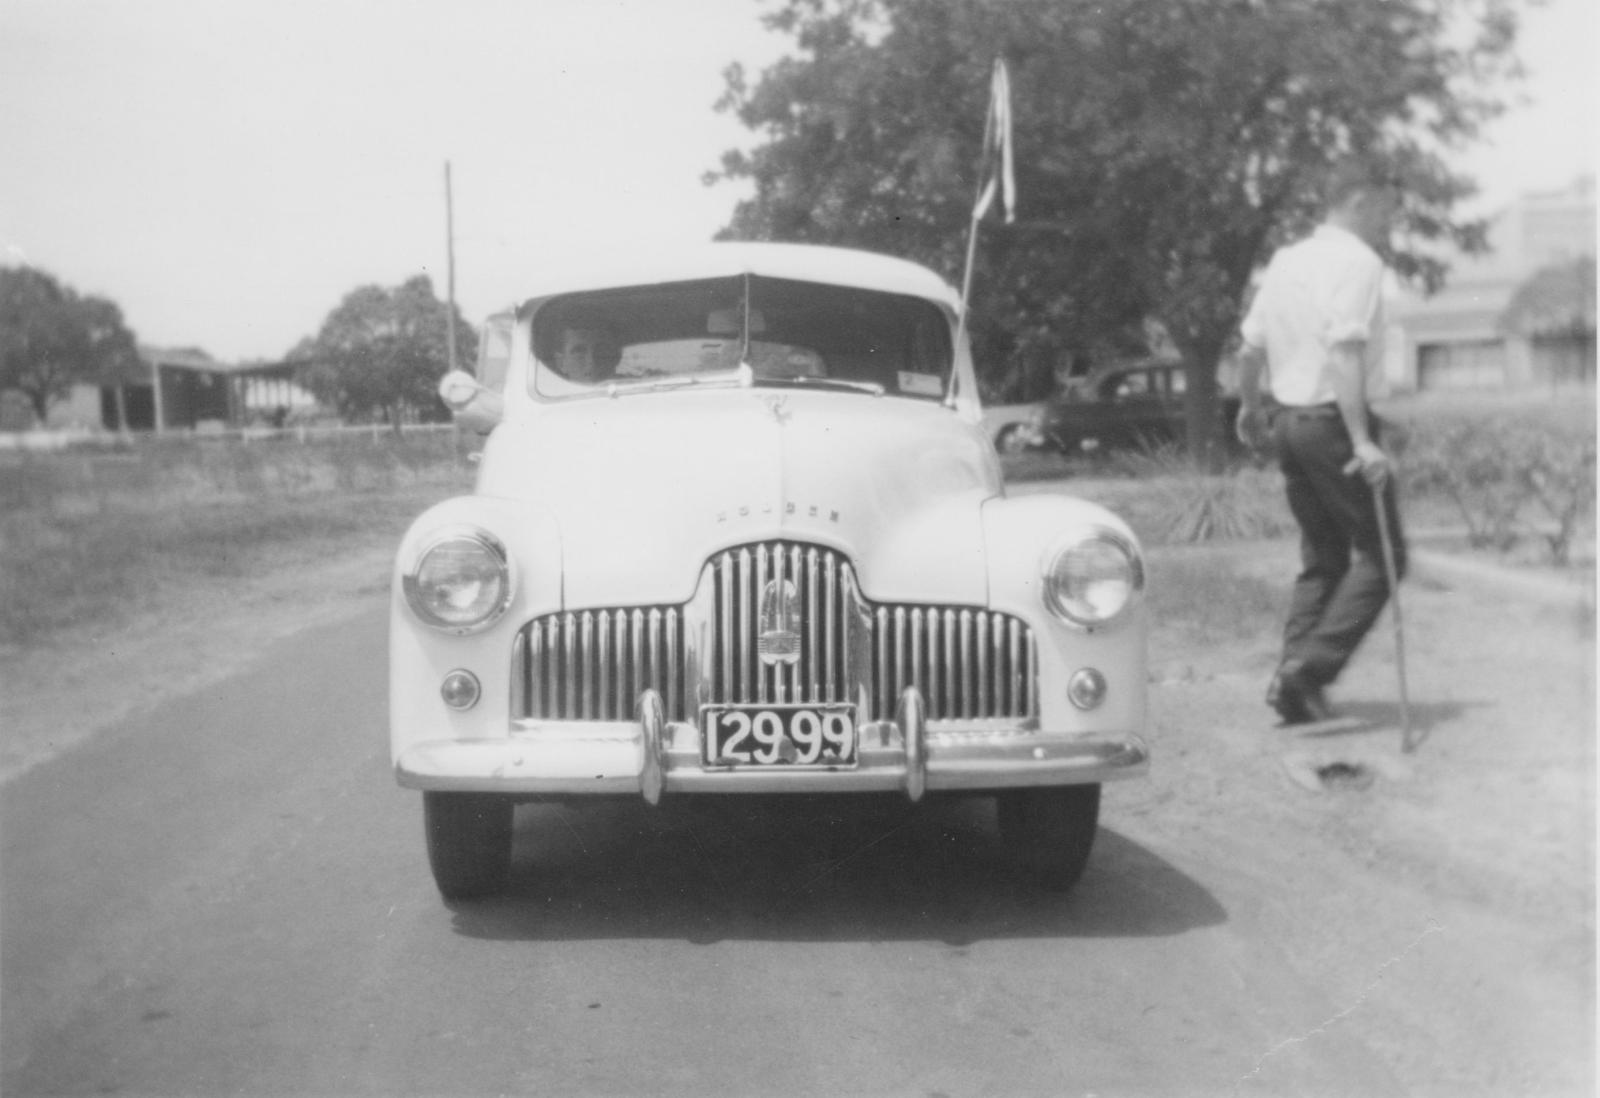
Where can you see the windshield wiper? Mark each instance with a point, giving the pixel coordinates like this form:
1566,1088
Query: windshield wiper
828,383
683,381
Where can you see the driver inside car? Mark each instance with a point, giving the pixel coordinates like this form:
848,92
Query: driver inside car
587,355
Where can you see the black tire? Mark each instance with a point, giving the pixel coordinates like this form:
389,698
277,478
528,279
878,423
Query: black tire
1012,440
469,842
1050,831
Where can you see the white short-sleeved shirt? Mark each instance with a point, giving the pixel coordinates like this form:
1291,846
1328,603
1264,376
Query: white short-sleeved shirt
1324,290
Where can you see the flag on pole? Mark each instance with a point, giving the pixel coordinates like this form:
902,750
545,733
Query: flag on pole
997,170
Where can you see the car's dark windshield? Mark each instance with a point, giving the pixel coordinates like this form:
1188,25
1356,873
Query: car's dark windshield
741,330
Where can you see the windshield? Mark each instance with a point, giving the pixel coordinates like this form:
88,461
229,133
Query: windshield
743,330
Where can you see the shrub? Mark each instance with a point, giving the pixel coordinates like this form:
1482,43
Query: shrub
1184,506
1509,474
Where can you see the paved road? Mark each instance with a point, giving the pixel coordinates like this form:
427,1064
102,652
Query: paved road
227,895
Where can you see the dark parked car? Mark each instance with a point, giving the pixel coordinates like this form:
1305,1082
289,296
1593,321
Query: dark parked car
1136,405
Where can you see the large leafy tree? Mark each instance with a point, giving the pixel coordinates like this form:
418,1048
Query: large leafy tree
1164,147
52,338
1556,302
382,351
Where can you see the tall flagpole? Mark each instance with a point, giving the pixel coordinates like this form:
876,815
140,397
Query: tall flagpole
996,140
979,208
966,277
450,265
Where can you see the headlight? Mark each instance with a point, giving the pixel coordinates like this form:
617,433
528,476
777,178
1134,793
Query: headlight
1093,578
461,581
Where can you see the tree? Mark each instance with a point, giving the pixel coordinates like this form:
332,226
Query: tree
51,338
382,351
1556,302
1164,147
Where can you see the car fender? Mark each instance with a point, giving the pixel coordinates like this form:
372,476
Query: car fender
421,655
1021,533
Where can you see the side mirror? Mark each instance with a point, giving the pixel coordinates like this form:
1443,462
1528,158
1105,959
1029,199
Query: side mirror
473,405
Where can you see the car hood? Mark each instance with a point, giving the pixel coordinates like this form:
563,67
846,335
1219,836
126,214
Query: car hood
646,487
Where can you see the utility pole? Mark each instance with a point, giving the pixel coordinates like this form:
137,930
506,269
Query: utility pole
450,268
158,394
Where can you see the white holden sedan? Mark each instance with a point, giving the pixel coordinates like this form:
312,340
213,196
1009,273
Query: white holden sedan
737,528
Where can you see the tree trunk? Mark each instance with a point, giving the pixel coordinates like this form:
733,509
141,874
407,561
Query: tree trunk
1202,412
40,397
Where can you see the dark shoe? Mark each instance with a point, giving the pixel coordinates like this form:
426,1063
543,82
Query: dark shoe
1314,704
1297,701
1288,708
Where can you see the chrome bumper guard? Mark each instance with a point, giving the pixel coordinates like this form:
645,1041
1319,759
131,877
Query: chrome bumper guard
651,756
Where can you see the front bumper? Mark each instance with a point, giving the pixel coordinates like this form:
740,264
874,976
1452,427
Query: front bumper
651,756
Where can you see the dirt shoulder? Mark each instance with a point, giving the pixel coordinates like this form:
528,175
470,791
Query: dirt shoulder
1447,896
88,678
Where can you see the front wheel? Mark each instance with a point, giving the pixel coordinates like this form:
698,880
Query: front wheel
1050,831
469,842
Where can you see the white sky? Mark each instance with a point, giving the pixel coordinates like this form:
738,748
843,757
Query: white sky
228,171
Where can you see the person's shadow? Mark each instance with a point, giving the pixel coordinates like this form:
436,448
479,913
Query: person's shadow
1361,718
813,869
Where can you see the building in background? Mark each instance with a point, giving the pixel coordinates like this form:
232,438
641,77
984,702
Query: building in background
1518,317
184,388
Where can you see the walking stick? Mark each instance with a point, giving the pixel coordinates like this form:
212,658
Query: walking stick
1408,744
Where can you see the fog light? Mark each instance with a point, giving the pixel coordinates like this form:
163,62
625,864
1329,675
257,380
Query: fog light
460,690
1087,688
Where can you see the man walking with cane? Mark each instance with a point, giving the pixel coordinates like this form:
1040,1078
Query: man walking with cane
1314,327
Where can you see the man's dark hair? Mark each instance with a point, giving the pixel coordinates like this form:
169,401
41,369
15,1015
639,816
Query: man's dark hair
1352,176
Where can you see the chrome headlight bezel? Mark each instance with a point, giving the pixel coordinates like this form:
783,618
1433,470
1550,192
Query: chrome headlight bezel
1067,565
417,586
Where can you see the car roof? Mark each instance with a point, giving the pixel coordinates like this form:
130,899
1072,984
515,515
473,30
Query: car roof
799,262
1139,364
1127,366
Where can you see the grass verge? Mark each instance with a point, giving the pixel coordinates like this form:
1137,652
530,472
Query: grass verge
1206,596
96,537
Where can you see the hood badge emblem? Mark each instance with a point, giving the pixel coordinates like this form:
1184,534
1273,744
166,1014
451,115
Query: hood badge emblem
779,638
779,407
821,512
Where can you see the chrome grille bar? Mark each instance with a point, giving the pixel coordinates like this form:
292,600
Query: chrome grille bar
670,669
724,636
749,617
832,626
811,635
953,683
746,616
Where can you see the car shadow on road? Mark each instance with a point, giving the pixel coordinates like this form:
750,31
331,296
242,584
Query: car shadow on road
787,869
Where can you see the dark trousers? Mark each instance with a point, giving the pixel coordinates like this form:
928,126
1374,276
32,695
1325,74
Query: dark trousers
1342,584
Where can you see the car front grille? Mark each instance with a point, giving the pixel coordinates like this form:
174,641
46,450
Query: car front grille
969,663
593,664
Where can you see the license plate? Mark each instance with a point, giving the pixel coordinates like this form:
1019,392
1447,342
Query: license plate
778,735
